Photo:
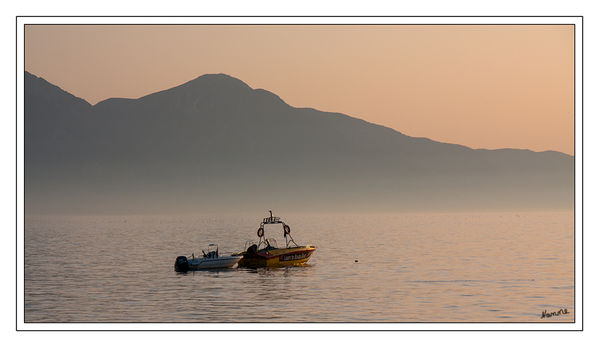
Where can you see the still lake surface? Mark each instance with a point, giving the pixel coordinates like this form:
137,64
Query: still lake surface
478,267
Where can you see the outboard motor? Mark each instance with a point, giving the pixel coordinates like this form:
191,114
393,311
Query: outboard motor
181,264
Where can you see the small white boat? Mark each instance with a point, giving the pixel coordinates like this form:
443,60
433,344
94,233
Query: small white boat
209,260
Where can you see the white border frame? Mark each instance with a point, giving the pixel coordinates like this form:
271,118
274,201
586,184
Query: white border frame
578,150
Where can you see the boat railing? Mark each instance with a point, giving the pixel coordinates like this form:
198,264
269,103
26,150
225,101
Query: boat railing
267,243
289,240
272,220
210,254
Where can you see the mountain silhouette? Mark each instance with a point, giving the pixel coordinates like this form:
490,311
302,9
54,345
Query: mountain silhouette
215,143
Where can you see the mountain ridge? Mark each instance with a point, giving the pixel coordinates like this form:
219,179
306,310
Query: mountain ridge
215,141
226,77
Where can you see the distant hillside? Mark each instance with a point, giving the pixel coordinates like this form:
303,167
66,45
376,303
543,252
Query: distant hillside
214,143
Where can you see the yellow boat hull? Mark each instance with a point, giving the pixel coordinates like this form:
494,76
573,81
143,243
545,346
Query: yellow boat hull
277,257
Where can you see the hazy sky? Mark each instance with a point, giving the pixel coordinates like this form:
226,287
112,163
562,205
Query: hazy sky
482,86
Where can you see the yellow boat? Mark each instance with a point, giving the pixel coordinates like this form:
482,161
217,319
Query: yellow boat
267,254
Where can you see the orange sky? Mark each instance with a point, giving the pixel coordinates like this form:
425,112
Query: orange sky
484,86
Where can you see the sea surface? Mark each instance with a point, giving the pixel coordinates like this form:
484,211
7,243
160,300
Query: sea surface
462,267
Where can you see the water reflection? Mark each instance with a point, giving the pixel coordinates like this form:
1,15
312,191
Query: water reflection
418,268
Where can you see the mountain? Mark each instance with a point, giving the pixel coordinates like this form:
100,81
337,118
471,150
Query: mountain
214,143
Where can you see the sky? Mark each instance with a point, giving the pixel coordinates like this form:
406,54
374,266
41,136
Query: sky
483,86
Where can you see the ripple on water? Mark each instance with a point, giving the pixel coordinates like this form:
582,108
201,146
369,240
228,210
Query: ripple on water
419,267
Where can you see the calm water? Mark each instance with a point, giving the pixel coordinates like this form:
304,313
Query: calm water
504,267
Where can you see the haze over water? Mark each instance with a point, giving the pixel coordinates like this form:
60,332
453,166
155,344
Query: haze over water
460,267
